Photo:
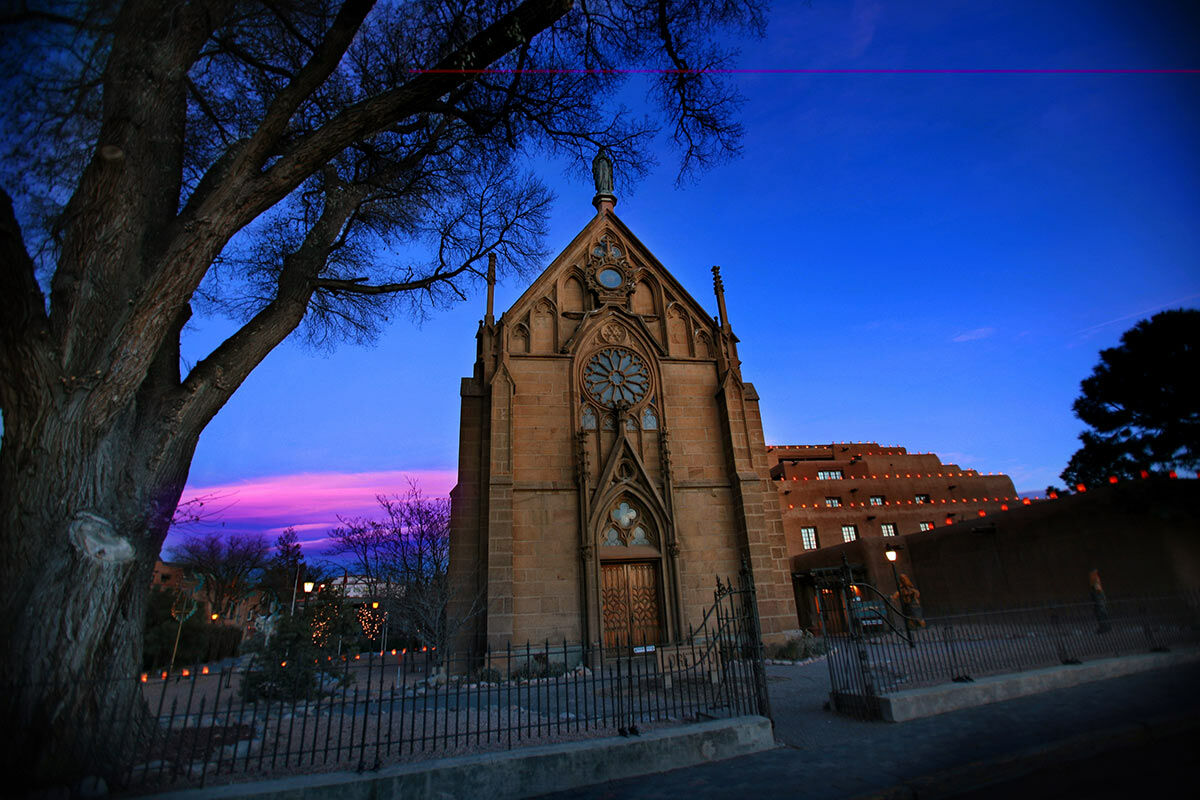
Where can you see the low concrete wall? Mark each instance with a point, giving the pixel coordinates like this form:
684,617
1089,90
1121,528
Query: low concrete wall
518,773
916,703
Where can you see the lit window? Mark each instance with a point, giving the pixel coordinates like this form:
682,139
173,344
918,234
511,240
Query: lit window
876,500
921,498
829,475
888,528
808,537
833,502
926,526
849,533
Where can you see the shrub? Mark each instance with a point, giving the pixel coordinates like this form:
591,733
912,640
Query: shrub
486,675
287,668
799,647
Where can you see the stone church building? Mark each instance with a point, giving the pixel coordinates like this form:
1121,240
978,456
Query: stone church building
611,458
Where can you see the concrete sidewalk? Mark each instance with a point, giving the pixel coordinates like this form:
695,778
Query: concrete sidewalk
826,755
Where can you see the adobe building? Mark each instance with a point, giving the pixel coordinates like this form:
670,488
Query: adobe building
611,457
1140,535
836,493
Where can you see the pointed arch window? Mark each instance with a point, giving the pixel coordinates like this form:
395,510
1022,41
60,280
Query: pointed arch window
649,419
626,526
587,420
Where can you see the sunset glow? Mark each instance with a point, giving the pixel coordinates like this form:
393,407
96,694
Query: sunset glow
309,502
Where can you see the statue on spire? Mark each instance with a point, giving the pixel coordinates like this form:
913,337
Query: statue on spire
602,175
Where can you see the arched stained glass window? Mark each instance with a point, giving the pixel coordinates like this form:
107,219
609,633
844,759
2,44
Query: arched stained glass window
587,420
626,527
649,419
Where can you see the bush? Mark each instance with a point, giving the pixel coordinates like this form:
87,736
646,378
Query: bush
199,640
798,648
486,675
288,667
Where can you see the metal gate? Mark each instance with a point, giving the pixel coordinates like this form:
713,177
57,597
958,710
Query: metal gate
852,615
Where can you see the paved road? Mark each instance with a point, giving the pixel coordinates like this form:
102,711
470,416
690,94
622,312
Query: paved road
825,755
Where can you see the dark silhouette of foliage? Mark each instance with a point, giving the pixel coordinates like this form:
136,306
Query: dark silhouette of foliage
200,640
231,566
1140,403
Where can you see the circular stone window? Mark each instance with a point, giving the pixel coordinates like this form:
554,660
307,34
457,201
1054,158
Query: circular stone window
616,377
610,278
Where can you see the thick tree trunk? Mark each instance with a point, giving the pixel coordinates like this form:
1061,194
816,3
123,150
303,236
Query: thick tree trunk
82,529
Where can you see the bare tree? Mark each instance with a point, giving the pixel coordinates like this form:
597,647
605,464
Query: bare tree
230,565
404,558
421,554
311,165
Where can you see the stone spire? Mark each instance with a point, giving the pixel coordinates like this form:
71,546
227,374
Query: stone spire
602,175
489,318
719,291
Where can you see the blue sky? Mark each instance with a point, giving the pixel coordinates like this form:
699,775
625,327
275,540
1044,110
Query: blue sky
926,260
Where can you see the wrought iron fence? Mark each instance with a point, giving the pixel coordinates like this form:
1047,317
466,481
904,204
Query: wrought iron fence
204,725
878,650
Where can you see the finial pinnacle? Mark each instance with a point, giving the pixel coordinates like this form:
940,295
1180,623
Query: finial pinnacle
719,291
491,287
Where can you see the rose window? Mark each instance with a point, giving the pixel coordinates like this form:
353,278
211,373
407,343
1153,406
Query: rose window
616,377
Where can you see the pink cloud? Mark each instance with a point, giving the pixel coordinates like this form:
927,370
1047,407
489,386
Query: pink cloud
309,502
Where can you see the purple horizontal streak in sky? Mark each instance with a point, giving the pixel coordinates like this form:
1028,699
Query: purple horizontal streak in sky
310,502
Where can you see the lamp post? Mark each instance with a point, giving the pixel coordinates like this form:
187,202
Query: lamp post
891,553
296,583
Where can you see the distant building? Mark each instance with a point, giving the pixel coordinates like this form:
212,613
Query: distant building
831,494
1140,535
244,614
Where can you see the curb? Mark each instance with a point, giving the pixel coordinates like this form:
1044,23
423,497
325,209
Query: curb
979,774
932,700
524,772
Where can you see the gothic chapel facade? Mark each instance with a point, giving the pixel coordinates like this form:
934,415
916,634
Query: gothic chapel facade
611,458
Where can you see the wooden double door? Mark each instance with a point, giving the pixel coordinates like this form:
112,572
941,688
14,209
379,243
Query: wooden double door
630,601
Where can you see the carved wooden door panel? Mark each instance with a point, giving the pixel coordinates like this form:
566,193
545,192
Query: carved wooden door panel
643,604
629,604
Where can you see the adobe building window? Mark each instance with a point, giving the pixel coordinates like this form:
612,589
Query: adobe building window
849,533
876,500
926,526
587,420
921,498
888,528
833,502
808,537
829,475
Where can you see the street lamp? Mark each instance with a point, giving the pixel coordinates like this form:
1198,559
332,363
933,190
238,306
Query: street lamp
891,553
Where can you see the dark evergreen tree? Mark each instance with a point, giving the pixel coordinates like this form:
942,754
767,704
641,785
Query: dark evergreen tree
1140,403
